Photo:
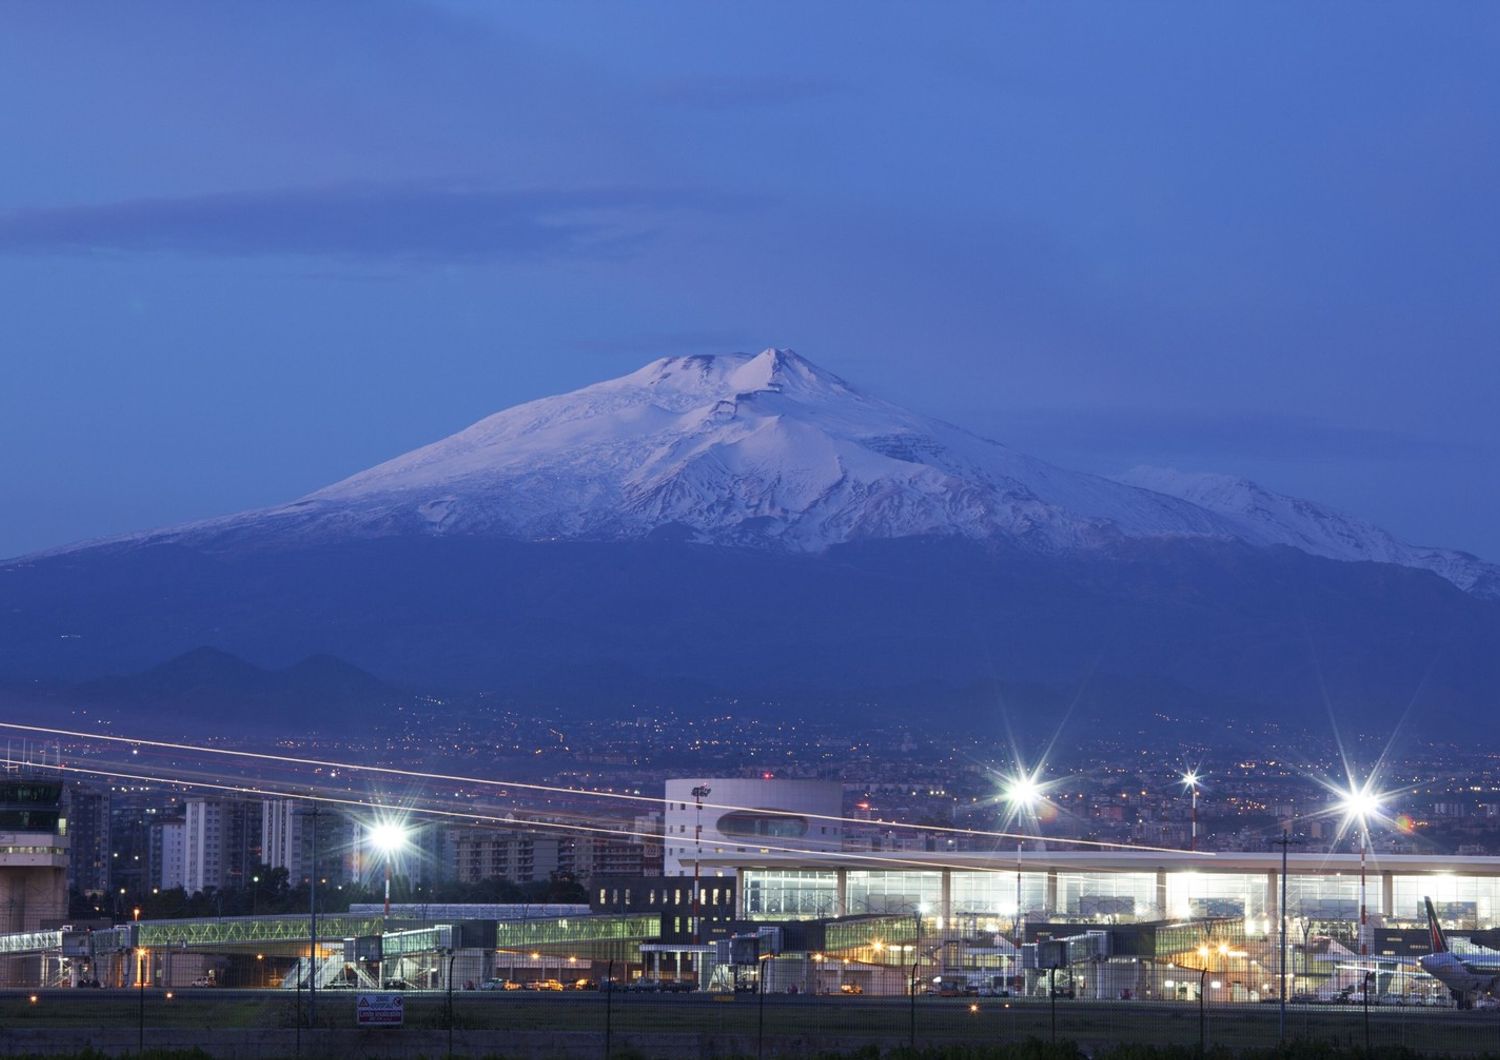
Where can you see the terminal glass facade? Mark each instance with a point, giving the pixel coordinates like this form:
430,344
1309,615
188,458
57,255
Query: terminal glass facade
894,892
993,894
1195,895
1463,902
789,894
1471,902
1108,897
1328,897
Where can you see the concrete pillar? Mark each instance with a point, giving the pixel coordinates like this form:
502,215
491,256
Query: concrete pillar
1273,895
1161,894
1049,903
1387,895
841,892
945,903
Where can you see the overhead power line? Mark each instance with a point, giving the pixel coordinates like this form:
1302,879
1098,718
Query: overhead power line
558,790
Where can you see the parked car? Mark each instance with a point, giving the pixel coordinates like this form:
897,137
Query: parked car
203,980
545,984
851,988
584,984
679,986
643,985
495,984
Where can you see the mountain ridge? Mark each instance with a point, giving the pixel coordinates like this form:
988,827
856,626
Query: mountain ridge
771,451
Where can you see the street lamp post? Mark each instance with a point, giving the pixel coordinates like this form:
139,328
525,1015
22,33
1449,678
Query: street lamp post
1016,921
1284,842
312,925
760,1017
1202,1011
298,973
609,1004
912,990
140,982
1052,997
452,956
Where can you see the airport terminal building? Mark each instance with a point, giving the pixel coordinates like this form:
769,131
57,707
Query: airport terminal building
1098,923
1111,887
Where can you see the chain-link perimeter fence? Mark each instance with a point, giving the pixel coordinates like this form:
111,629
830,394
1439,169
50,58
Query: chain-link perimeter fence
584,1020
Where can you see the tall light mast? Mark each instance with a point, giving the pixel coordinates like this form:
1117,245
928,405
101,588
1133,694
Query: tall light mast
701,792
1190,781
1359,805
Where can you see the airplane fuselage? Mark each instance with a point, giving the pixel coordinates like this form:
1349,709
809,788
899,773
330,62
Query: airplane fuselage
1466,981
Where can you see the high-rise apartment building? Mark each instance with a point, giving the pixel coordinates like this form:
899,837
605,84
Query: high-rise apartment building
495,854
222,843
169,853
287,841
86,808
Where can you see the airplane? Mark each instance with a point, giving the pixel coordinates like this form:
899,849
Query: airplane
1465,977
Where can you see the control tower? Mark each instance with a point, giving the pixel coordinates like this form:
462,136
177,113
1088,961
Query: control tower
33,851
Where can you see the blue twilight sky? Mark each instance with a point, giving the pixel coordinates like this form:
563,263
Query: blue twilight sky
247,249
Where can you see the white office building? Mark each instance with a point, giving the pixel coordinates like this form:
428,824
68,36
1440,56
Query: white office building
747,816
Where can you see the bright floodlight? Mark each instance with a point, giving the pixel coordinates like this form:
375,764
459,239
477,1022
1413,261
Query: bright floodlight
1190,778
1360,804
388,837
1023,791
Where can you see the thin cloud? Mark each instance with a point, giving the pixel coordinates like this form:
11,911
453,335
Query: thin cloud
412,221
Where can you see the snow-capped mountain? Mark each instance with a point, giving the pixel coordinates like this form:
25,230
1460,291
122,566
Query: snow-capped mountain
769,450
1261,517
569,554
762,449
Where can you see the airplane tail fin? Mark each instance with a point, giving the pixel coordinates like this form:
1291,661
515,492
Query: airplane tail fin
1435,930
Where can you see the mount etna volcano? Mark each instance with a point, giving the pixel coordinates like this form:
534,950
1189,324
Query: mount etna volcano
753,527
